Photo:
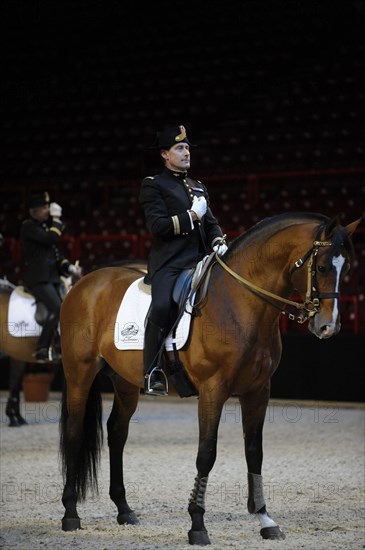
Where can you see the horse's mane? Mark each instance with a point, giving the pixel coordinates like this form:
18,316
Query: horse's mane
269,226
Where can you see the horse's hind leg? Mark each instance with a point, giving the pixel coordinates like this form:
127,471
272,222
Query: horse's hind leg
125,403
253,417
81,440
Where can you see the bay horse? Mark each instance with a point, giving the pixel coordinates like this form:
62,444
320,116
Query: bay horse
20,349
233,350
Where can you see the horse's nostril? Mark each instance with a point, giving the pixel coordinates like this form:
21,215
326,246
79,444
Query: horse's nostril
328,330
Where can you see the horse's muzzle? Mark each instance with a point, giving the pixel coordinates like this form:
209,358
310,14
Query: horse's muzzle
322,328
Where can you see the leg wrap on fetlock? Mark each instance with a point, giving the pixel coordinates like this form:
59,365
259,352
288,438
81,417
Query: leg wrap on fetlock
256,499
198,493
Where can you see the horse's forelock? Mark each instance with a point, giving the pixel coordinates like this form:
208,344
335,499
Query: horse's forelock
341,240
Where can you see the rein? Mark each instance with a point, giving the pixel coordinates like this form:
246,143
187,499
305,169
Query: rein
311,305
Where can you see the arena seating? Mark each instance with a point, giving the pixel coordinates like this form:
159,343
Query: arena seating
276,117
255,101
115,231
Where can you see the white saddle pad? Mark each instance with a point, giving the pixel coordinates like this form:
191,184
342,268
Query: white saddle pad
129,325
22,308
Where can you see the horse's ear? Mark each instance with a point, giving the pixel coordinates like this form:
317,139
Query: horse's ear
351,228
335,222
331,226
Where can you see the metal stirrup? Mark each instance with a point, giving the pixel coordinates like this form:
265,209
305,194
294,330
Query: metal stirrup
148,377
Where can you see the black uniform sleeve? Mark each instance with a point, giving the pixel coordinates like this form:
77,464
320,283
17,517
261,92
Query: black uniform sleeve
36,233
159,222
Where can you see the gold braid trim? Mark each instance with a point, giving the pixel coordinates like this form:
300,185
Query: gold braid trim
176,224
56,231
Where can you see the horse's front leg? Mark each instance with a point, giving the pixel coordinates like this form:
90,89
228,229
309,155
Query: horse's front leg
125,403
210,409
253,418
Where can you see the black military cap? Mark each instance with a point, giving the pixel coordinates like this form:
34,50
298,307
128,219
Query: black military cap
165,139
38,199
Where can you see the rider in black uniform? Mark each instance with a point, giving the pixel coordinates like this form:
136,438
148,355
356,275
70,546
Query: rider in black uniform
44,264
183,227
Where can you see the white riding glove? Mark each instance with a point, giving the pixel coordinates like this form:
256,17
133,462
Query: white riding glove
220,248
199,206
55,210
75,271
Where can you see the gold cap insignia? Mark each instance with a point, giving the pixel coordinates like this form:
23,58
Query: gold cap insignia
182,135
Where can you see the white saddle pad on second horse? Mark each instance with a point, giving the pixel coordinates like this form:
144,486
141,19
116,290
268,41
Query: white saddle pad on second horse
129,325
21,314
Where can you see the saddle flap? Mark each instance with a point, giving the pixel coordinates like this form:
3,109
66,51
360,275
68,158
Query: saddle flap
182,286
41,313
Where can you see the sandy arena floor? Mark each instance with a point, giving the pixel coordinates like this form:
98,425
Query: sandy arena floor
313,474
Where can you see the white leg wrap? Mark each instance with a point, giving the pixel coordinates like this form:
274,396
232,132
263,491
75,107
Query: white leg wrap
256,498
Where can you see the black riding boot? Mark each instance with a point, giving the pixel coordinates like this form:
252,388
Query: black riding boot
56,347
154,377
43,353
13,412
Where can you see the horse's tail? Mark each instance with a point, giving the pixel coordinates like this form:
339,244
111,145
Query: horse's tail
82,447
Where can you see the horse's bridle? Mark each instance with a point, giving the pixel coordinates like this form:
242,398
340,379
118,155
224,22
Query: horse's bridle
311,305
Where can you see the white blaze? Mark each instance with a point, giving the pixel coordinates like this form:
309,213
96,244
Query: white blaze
337,262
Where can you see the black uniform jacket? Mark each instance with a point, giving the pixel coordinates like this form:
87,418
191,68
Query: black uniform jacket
43,260
166,198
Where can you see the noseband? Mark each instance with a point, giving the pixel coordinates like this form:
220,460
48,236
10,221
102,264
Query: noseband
311,305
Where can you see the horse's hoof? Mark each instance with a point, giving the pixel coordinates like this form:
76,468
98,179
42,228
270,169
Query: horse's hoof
272,533
13,422
198,537
127,518
71,524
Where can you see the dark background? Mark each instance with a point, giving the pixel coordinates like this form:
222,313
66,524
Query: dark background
85,85
271,92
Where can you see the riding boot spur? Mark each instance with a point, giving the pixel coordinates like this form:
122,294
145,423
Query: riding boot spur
155,382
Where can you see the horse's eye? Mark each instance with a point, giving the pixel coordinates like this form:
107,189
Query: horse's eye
321,269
